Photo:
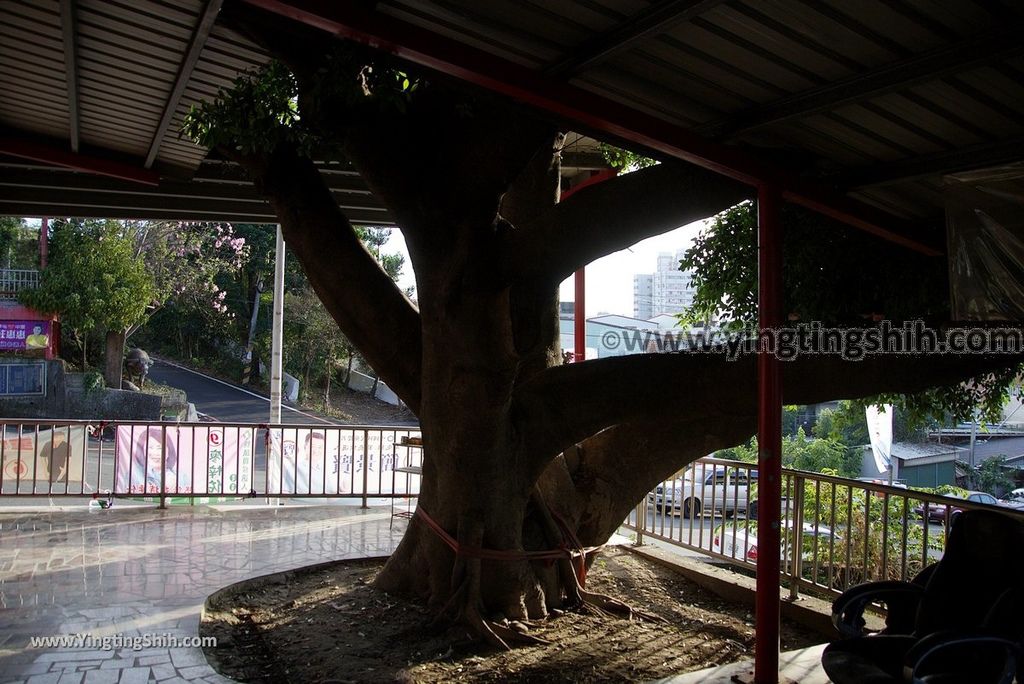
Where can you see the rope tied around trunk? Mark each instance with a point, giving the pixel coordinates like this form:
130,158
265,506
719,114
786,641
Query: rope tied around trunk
576,552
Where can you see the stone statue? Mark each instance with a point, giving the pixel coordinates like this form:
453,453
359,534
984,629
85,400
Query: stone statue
137,365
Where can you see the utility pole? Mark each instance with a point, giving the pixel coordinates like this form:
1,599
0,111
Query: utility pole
277,337
249,360
974,434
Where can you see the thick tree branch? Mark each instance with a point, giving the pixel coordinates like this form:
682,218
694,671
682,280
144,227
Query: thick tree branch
609,490
367,305
613,215
568,404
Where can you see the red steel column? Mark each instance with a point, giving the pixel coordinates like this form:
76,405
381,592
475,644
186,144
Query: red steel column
769,438
579,335
580,306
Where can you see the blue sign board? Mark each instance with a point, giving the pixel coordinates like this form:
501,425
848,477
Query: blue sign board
23,379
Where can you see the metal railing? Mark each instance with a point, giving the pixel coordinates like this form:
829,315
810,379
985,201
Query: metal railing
836,532
14,280
185,461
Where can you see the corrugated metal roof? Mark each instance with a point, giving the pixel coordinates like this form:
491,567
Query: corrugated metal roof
848,87
877,99
128,57
33,91
218,191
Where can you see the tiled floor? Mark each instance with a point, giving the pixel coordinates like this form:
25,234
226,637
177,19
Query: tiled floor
802,666
131,572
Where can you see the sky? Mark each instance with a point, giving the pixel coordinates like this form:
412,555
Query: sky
609,279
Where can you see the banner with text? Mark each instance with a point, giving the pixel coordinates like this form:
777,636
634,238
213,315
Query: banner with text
197,460
24,334
338,461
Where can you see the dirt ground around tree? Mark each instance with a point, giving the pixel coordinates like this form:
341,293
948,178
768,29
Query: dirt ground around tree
327,624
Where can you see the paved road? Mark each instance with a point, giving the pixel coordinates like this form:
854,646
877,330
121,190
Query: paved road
222,401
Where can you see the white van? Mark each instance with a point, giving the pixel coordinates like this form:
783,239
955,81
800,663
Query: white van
704,487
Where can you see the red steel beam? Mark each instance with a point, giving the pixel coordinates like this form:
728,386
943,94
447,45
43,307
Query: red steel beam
355,22
46,154
767,610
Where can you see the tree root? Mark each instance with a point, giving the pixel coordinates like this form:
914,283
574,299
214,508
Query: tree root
493,633
607,606
466,595
601,604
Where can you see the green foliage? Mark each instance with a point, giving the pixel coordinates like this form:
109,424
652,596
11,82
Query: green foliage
623,160
314,348
801,453
821,455
19,244
10,226
94,279
357,80
723,271
258,112
93,381
264,109
212,273
992,476
202,309
985,394
375,239
866,522
818,255
838,276
945,490
845,423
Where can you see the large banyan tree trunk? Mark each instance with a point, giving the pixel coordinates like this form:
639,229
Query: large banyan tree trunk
522,454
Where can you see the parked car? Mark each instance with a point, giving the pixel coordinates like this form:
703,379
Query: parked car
701,488
937,511
741,543
1014,500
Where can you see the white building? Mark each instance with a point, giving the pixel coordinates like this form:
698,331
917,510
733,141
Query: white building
643,295
666,291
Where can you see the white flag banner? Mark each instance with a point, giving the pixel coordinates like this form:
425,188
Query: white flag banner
880,429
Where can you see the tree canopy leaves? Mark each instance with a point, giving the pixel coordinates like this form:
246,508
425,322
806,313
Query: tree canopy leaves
262,109
838,276
94,278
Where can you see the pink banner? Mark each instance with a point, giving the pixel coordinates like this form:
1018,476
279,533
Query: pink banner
197,460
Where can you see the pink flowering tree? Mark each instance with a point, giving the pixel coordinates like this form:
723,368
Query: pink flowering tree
193,263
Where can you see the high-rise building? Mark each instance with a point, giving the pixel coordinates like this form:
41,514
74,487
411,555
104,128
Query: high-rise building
666,291
643,295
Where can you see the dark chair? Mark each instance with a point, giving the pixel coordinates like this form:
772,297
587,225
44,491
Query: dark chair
959,620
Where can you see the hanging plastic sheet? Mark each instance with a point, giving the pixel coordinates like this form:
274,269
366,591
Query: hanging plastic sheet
985,230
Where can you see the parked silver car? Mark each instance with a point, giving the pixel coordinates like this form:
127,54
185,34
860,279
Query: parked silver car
698,490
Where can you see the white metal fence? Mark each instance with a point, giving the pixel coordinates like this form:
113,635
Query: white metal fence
188,460
836,532
13,280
